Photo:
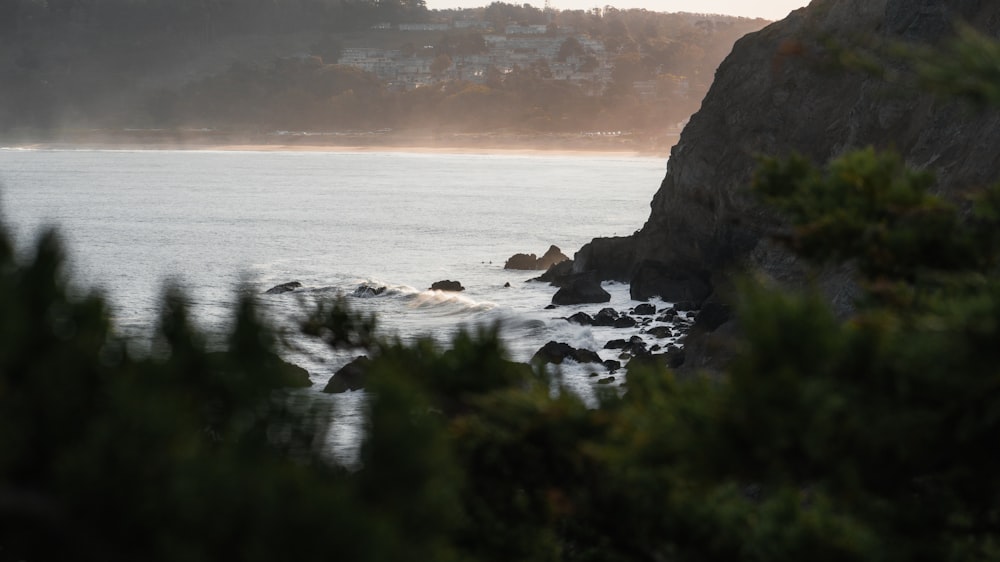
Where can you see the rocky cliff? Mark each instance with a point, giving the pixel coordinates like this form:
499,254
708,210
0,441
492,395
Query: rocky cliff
778,93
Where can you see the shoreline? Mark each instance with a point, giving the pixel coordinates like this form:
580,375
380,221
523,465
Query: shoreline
557,144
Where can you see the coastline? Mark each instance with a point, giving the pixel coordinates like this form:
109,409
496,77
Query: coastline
562,144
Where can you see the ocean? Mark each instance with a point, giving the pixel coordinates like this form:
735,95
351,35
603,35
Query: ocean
217,222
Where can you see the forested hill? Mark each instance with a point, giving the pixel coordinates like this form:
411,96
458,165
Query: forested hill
333,65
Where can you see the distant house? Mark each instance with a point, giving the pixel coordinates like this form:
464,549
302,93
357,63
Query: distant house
471,24
539,29
424,27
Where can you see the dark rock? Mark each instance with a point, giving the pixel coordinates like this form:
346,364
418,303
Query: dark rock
686,306
660,332
634,346
606,317
559,275
625,321
645,309
553,352
350,377
606,380
557,352
667,315
283,288
551,257
656,347
506,285
712,315
447,285
625,356
581,318
586,356
551,307
582,289
612,365
529,261
522,262
657,279
609,258
367,291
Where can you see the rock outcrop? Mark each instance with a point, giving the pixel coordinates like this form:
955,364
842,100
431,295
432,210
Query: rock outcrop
350,377
530,262
447,285
776,94
283,288
581,289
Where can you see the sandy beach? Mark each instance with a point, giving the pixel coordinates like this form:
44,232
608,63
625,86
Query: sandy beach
568,144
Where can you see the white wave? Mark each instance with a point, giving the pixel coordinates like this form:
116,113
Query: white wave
449,300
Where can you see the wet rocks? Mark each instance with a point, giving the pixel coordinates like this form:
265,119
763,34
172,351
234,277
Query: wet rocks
557,352
447,285
529,262
283,288
645,309
583,288
366,291
581,318
350,377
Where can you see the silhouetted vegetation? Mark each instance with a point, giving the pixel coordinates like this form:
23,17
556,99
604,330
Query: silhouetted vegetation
867,438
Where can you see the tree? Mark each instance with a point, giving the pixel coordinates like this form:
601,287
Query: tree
862,438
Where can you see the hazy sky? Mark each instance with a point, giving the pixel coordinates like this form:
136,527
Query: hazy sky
770,9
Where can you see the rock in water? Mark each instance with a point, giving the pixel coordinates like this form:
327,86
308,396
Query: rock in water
557,352
521,261
447,285
529,261
551,257
350,377
283,288
581,289
366,291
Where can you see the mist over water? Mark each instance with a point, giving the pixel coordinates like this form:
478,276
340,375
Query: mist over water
333,221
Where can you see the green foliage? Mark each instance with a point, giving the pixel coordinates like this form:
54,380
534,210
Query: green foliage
868,438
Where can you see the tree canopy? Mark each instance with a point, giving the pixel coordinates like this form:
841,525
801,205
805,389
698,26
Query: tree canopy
861,438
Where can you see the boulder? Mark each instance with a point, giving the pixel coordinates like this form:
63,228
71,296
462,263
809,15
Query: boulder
522,262
625,321
367,291
553,352
551,257
447,285
612,365
557,352
586,356
606,317
581,318
583,288
529,261
283,288
350,377
558,275
660,332
645,309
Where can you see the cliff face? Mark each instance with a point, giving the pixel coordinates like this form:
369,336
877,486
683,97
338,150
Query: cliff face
776,94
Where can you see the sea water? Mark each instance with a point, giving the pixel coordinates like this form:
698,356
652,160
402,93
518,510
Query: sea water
216,222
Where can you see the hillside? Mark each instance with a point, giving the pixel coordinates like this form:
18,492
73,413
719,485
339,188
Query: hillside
246,70
785,90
